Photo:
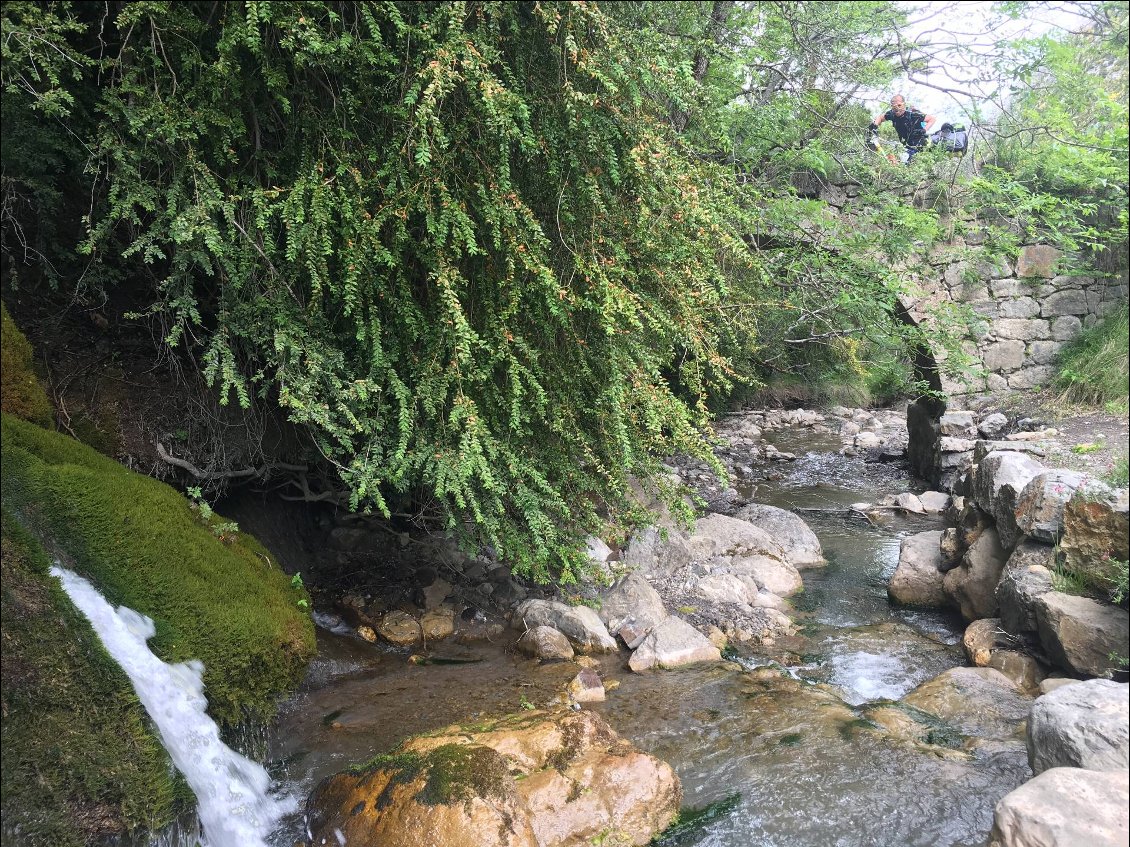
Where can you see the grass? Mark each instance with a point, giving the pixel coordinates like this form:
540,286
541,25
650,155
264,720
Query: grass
20,392
1095,367
1119,474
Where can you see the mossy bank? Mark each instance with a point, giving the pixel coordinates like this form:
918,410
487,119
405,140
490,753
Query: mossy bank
81,761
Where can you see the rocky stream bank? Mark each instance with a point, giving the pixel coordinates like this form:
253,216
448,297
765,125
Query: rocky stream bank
805,700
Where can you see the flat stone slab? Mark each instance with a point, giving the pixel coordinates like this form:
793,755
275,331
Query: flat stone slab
673,643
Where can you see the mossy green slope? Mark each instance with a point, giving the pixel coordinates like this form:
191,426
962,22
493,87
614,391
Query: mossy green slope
20,391
226,604
80,760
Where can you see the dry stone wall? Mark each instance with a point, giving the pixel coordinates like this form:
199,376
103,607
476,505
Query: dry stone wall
1026,310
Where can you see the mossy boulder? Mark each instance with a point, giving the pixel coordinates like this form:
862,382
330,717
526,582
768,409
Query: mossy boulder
20,392
220,599
547,779
81,763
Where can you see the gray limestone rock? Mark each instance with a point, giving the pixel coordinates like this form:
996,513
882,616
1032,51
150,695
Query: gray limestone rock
672,644
972,585
580,624
918,579
632,609
1027,577
1065,807
997,483
1039,508
798,542
1081,634
545,642
1081,726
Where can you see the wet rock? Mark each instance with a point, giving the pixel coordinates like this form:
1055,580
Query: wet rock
1096,532
367,634
1065,807
1027,576
918,580
972,585
438,624
799,544
532,780
980,702
1081,634
1022,668
673,643
632,609
951,549
580,624
399,628
982,638
1081,726
934,502
586,687
993,425
1039,509
997,484
546,643
909,503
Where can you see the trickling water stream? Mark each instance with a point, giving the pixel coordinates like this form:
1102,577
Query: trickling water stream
814,753
235,805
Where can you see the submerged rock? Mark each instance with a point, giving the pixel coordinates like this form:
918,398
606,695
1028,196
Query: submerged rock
535,780
1081,726
980,702
1065,807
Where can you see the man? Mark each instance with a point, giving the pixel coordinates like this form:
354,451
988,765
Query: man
912,126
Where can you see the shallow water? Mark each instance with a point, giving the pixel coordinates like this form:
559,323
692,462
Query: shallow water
798,745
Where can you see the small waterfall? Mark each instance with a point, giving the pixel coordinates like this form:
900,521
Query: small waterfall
232,792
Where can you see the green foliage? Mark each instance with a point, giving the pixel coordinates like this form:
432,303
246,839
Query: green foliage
140,542
1094,369
20,391
81,762
1119,474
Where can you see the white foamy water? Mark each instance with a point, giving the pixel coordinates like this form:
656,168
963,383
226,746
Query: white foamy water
235,806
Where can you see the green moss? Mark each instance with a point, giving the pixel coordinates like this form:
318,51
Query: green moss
226,604
452,773
20,392
80,760
688,826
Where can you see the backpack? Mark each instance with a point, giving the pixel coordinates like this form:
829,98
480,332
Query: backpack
951,137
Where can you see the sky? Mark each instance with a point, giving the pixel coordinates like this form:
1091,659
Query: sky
965,34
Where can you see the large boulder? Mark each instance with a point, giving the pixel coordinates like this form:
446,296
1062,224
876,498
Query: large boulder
1039,509
918,579
997,483
632,609
1027,576
1081,634
799,543
972,585
580,624
1096,532
713,537
535,780
1081,726
673,643
1065,807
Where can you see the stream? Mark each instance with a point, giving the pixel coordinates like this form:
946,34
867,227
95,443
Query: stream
800,751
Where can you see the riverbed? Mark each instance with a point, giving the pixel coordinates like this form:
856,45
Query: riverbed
791,736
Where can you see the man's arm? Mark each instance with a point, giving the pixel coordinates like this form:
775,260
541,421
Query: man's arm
929,122
875,123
